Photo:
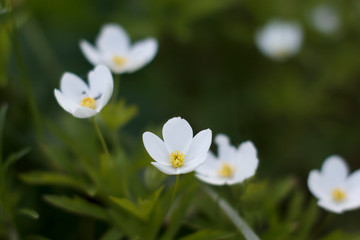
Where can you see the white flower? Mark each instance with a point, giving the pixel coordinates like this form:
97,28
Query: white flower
113,49
179,152
81,100
325,19
279,40
336,191
232,166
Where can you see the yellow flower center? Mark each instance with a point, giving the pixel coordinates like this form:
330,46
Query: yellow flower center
177,159
88,102
119,61
226,170
338,195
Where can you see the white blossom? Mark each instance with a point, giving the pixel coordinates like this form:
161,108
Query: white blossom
279,40
113,49
335,189
233,165
180,152
82,100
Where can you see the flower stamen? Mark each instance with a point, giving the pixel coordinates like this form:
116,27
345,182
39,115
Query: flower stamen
88,102
226,170
177,159
338,194
119,61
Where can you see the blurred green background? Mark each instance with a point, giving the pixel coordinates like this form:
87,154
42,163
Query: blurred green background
208,71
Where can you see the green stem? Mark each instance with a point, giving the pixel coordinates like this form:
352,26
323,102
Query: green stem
116,87
106,150
24,74
175,188
239,222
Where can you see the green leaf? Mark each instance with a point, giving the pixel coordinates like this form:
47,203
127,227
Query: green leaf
308,220
296,206
116,115
15,157
208,234
112,234
178,211
29,212
142,209
57,179
78,205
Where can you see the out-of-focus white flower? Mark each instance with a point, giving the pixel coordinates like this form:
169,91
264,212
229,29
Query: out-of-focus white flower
233,165
4,10
179,152
279,40
325,19
114,50
335,190
81,100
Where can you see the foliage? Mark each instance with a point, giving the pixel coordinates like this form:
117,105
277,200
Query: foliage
207,70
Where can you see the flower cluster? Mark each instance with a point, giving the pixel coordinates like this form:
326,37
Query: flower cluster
180,152
113,51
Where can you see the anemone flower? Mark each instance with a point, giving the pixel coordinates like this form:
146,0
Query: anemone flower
335,189
279,40
325,19
82,100
114,50
233,165
180,152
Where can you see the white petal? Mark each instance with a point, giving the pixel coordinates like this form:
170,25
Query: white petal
66,104
248,162
331,206
234,180
353,199
193,164
84,112
200,144
210,166
316,185
177,134
142,53
165,169
156,148
73,88
226,151
113,39
211,180
353,181
334,170
101,84
222,139
90,52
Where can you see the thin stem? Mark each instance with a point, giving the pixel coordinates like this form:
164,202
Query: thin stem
175,188
106,150
116,87
239,222
24,74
